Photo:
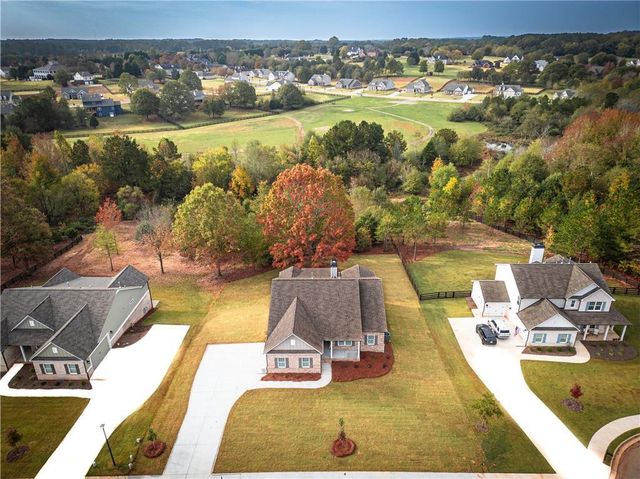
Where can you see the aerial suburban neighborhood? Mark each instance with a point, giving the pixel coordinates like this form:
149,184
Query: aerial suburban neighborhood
320,239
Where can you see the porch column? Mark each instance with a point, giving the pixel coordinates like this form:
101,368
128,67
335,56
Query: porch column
24,357
358,350
624,330
331,349
586,330
606,331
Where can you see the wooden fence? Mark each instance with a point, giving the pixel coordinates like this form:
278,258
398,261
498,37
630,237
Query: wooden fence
444,294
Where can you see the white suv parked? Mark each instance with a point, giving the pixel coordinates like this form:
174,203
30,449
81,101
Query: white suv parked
499,327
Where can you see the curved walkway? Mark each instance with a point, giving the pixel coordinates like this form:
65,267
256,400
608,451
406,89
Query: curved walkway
121,384
499,369
225,373
607,433
5,390
582,356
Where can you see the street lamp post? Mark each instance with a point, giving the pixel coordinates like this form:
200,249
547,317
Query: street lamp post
108,446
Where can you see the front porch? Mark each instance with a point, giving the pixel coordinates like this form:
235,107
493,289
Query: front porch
601,333
332,354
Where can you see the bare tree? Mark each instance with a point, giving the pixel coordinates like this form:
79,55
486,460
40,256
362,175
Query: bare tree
154,231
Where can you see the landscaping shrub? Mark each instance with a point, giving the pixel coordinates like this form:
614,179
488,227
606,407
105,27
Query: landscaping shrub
14,454
154,449
12,436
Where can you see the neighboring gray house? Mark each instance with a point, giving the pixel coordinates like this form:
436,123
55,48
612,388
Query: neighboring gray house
243,77
564,94
263,73
541,65
198,96
68,325
457,89
322,314
381,84
508,91
273,86
5,72
46,72
319,80
204,75
348,83
419,86
8,102
149,85
281,75
73,92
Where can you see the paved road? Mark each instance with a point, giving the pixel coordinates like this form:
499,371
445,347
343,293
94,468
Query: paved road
225,373
121,384
499,369
607,433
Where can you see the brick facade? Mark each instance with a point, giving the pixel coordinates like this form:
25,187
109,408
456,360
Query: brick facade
378,347
293,359
60,371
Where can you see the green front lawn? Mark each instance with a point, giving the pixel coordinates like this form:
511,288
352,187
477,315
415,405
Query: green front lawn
43,423
416,418
611,388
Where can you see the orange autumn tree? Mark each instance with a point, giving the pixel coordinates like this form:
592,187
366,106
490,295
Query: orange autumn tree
307,218
107,218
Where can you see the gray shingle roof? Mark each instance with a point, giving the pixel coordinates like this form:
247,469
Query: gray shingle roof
556,280
494,291
296,320
544,309
129,276
61,276
339,308
613,316
538,313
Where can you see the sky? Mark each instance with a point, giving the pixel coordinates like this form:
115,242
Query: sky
317,19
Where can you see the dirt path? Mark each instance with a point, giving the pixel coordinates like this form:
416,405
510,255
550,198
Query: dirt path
429,127
299,126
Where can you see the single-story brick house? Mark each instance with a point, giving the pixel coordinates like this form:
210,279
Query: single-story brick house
68,325
419,86
319,80
322,314
348,83
383,84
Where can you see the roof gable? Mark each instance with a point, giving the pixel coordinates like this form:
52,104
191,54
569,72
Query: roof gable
556,280
295,321
129,276
60,277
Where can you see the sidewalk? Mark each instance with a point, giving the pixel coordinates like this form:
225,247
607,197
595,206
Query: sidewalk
607,433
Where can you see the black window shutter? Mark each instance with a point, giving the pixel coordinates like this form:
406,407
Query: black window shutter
42,369
66,368
286,363
300,363
311,362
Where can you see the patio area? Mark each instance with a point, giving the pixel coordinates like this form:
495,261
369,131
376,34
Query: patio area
601,333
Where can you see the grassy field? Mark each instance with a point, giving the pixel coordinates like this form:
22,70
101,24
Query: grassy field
611,388
236,315
416,418
413,119
41,432
19,85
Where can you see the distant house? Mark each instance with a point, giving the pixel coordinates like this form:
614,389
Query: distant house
508,91
419,86
68,325
198,96
438,58
5,72
348,83
236,77
203,75
630,63
102,107
514,58
381,84
322,314
281,75
564,94
73,92
457,89
355,52
596,70
541,65
277,84
148,84
83,77
46,72
262,73
551,302
319,80
483,63
171,70
8,102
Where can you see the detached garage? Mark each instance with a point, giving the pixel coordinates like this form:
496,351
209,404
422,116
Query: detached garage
491,298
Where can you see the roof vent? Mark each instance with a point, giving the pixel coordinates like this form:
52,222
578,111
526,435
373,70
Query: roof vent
334,268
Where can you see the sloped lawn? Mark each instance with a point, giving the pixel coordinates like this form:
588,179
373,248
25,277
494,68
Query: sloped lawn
416,418
43,423
611,388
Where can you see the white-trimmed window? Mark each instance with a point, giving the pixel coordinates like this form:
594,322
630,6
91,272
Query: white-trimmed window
371,339
563,338
539,338
306,363
572,304
344,343
47,368
293,341
595,305
32,323
72,369
282,363
54,350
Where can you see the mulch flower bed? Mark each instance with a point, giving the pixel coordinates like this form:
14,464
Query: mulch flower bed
14,454
343,447
371,365
134,334
27,379
573,405
550,350
611,350
154,449
296,377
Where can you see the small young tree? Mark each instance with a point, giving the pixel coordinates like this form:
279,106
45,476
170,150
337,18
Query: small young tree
12,436
109,216
341,435
576,391
487,408
93,122
155,231
106,242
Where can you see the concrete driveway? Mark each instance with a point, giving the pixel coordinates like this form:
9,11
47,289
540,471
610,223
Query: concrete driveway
499,369
225,373
121,384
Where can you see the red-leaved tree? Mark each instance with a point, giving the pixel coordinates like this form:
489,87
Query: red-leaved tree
109,215
576,391
307,218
